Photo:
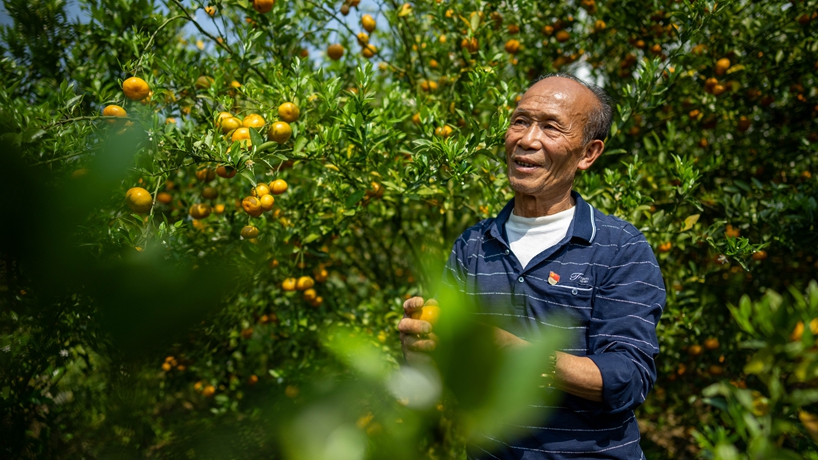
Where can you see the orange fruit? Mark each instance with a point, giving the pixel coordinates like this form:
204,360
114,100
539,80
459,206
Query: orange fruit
760,255
694,350
712,343
722,65
665,247
317,301
210,193
199,211
292,391
288,112
267,202
263,6
139,200
222,116
718,89
278,186
252,380
512,46
204,82
242,135
280,132
114,111
218,209
205,174
164,197
363,38
321,274
335,51
416,118
288,284
136,88
229,124
249,231
166,367
563,36
304,283
252,206
369,51
429,312
210,10
253,120
472,45
345,9
443,131
260,190
310,295
209,391
226,171
513,29
428,86
368,22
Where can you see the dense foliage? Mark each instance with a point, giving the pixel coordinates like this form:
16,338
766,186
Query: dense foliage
163,323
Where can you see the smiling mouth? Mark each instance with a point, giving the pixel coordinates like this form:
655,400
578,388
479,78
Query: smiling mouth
525,164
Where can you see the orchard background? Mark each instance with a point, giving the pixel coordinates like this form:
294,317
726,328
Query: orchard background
129,328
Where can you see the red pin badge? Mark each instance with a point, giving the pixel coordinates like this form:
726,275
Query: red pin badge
553,278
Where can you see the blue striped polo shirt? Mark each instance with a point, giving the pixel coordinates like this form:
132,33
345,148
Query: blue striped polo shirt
608,297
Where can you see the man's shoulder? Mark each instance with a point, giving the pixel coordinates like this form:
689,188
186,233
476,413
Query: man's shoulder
613,228
476,233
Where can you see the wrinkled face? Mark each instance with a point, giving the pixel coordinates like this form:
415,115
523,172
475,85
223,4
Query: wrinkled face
544,145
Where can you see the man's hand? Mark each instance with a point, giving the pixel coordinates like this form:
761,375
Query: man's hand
416,336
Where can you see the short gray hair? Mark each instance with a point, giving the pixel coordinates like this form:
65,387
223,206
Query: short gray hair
601,118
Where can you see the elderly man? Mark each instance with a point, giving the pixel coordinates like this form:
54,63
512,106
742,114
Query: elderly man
550,260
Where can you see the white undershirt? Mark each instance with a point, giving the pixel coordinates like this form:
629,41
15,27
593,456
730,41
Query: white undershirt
530,236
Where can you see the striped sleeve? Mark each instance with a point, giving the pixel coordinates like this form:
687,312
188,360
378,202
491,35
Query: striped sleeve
455,272
622,331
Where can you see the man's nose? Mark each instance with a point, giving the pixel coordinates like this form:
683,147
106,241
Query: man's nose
530,139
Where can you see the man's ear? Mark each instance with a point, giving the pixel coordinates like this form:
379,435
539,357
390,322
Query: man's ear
592,151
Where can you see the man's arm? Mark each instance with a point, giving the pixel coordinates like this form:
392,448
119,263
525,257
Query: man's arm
576,375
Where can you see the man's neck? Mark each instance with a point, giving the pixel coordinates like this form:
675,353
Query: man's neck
533,206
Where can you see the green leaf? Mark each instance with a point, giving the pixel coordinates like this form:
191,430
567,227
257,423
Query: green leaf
354,198
690,222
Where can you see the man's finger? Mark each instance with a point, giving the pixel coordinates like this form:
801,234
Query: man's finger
414,326
414,343
411,305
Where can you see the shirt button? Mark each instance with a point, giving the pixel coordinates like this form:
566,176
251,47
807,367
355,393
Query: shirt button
520,279
507,251
574,291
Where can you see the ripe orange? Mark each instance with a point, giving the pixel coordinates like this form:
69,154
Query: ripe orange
210,193
304,283
114,111
310,295
599,25
136,88
760,255
249,231
443,131
321,274
513,29
252,206
139,200
369,51
164,197
288,112
430,312
665,247
205,174
219,208
204,82
209,391
471,45
226,171
260,190
252,380
428,86
363,38
199,210
210,10
253,120
263,6
288,284
711,343
718,89
166,367
694,350
267,202
229,124
416,118
317,301
368,22
242,135
278,186
563,36
345,9
335,51
512,46
722,65
280,132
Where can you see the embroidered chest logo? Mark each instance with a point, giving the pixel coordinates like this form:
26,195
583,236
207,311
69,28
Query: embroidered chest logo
553,278
580,279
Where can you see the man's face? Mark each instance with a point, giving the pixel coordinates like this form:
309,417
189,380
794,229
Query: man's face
544,145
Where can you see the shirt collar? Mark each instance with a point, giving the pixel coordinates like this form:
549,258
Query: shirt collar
582,226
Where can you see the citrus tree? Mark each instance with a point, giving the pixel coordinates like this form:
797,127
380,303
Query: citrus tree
214,212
